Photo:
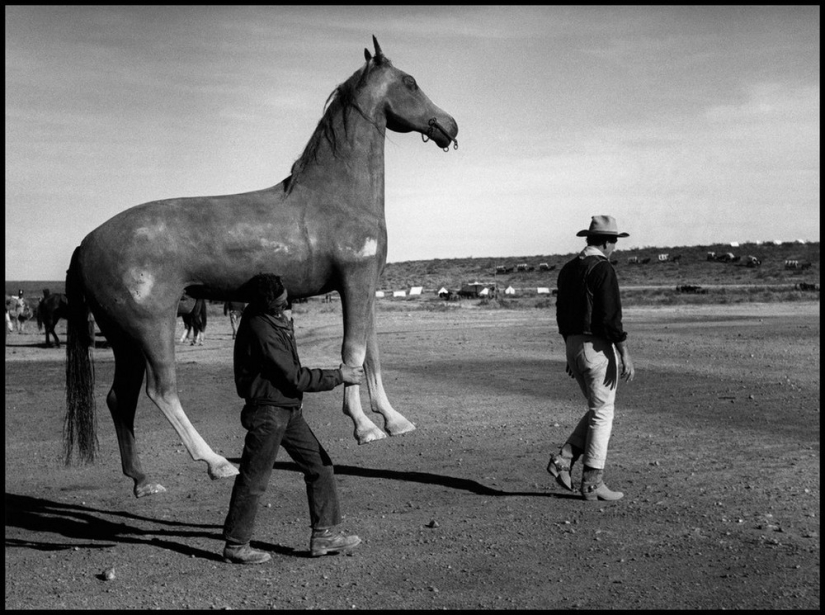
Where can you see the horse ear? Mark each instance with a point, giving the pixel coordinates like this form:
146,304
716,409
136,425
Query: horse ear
378,52
367,54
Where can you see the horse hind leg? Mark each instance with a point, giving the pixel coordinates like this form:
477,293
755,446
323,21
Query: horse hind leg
122,402
186,330
50,329
161,387
197,337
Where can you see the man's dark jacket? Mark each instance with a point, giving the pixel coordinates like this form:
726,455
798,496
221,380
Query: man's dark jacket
267,368
588,300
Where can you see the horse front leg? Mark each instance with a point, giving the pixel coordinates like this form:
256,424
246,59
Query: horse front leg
394,422
357,309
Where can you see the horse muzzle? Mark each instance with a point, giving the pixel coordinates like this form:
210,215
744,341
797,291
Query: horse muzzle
440,135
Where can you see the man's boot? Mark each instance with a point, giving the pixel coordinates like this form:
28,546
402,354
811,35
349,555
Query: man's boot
593,487
324,541
244,554
561,465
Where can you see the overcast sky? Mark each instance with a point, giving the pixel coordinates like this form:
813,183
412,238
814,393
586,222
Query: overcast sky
690,125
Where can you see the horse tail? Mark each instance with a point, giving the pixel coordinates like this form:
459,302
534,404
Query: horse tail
80,422
38,312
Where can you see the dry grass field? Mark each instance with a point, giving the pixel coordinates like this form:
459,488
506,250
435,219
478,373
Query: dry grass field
716,446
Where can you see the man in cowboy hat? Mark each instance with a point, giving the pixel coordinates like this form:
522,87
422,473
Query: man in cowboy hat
589,315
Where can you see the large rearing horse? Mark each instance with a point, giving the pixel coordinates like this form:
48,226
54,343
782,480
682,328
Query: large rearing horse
322,229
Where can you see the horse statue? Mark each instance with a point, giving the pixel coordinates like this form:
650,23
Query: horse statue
193,312
51,309
234,309
322,229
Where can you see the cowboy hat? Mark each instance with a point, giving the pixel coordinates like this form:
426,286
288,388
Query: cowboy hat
602,225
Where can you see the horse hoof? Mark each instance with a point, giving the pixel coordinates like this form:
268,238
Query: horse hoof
150,489
399,428
223,470
370,436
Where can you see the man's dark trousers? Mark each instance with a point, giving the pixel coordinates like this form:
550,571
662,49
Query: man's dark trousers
269,427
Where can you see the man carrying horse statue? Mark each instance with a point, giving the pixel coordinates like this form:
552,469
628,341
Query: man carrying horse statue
270,379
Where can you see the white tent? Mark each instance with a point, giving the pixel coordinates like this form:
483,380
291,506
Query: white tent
543,290
484,292
442,291
734,244
399,293
416,290
509,291
379,293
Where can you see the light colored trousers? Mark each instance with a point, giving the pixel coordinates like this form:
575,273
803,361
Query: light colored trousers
594,364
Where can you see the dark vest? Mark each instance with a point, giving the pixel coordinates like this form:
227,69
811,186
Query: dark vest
574,309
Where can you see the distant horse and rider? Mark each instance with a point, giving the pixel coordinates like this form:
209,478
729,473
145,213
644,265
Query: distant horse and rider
20,311
322,229
9,327
193,312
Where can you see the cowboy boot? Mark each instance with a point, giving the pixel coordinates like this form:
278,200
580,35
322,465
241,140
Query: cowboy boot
593,487
324,541
561,465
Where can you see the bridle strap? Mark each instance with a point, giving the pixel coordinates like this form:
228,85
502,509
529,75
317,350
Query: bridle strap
433,125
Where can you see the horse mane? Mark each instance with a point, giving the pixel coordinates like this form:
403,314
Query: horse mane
341,100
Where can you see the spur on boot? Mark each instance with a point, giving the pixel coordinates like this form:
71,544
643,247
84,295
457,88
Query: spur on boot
560,467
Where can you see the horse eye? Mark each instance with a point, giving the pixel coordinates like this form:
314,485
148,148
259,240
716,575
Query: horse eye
410,83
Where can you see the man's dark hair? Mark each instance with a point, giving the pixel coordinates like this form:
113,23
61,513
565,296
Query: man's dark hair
263,289
597,240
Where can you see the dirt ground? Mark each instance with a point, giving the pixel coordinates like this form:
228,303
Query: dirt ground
715,444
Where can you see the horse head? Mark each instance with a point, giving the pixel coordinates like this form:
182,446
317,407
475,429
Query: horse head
405,106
